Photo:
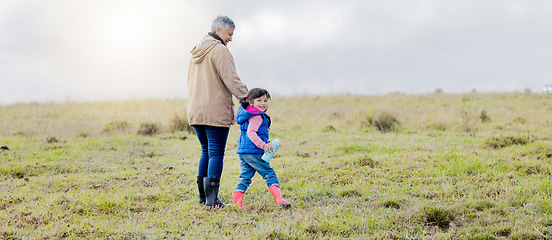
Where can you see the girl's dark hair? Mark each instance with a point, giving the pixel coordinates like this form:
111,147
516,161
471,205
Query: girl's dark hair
254,93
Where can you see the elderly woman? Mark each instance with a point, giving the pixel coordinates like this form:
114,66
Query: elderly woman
212,80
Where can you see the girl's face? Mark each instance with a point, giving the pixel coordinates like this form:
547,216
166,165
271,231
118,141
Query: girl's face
260,103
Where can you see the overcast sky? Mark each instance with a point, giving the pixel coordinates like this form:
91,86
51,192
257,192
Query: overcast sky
93,50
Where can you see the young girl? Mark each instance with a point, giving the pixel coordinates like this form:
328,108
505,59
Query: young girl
253,142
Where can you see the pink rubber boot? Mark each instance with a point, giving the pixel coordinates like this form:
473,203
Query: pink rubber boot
275,190
237,197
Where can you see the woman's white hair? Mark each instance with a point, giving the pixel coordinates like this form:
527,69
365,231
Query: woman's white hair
222,22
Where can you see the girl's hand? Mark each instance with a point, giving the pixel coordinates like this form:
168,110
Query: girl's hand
268,147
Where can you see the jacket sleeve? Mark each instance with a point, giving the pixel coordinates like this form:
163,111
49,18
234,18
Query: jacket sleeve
224,63
254,124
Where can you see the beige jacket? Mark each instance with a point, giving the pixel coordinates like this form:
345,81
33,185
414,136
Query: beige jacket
212,80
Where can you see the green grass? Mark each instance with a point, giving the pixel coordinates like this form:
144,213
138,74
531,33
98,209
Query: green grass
475,166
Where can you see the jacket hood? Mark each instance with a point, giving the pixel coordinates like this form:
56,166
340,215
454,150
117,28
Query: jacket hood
203,47
244,115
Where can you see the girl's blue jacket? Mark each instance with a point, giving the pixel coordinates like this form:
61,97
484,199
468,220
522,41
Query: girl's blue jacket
245,145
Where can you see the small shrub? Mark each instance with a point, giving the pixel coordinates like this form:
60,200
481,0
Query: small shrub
115,126
148,129
437,216
501,142
383,122
51,140
178,123
484,116
329,128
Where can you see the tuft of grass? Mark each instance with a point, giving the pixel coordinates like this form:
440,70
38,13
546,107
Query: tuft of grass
303,154
440,126
329,128
8,235
525,235
437,216
115,126
18,133
82,135
484,116
383,122
482,236
467,124
502,231
276,235
350,193
520,120
547,222
391,204
148,129
350,149
483,205
364,161
51,140
178,123
501,142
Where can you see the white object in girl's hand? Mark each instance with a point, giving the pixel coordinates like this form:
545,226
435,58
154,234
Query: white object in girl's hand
269,154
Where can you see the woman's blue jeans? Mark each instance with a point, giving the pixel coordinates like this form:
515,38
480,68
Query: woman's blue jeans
213,144
251,163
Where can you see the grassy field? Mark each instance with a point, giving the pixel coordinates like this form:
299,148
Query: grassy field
437,166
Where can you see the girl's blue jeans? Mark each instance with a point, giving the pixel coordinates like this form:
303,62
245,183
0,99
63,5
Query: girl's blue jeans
213,143
251,163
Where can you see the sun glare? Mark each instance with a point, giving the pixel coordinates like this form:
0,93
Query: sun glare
125,34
